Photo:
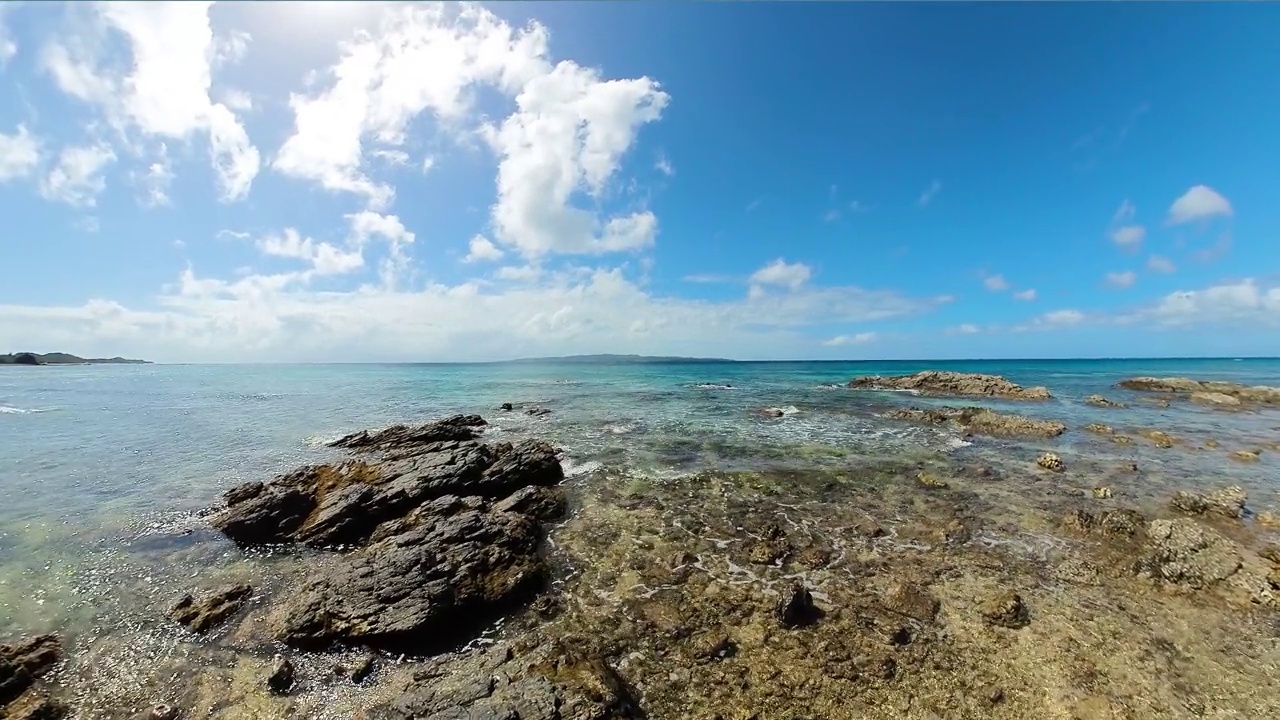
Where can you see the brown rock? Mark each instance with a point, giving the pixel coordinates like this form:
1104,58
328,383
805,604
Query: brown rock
1099,401
912,600
1005,609
1050,461
1244,456
1228,502
280,680
940,382
1206,390
1098,428
929,480
211,608
981,421
796,608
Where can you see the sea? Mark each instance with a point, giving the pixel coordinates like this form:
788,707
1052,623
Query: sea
102,466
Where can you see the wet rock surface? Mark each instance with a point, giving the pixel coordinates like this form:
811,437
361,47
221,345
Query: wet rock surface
22,664
203,612
981,421
1100,401
948,383
1208,392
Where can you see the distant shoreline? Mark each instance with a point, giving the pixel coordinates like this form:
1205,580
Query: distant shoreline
30,359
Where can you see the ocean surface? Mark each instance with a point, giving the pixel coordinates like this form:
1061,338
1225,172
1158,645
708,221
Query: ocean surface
100,464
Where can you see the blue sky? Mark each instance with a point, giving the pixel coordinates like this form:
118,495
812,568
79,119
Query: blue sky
384,181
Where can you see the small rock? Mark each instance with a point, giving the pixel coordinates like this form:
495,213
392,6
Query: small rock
813,557
868,527
796,607
1245,456
768,552
1005,609
1102,493
930,480
537,411
1122,439
913,601
1050,461
280,681
505,407
1267,518
1098,428
1099,401
1161,439
1211,443
160,711
1215,398
718,647
996,696
1271,552
362,668
770,412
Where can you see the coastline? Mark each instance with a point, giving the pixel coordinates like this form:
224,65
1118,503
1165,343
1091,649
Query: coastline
665,592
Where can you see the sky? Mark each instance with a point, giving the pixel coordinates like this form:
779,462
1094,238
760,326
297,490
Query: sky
384,182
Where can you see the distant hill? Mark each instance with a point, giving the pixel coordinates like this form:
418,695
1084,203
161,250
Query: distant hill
619,360
56,358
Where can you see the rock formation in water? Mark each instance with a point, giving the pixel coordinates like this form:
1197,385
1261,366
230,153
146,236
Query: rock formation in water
981,421
1207,392
948,383
21,666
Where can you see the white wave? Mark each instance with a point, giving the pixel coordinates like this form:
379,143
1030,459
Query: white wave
714,386
956,443
620,429
790,410
10,410
574,469
319,441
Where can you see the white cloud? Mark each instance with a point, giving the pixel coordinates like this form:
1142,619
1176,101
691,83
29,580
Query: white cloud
482,249
1063,317
965,329
1121,280
392,157
237,100
325,259
929,193
1025,295
277,317
831,216
78,178
707,278
19,154
1198,203
518,273
995,283
1245,303
8,48
1128,236
367,225
156,180
165,91
859,339
663,165
779,272
428,162
1125,213
1161,264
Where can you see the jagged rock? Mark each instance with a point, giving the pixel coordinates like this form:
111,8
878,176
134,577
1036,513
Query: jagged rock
536,501
21,664
280,680
1161,439
423,586
796,608
929,480
1050,461
913,601
943,382
1259,394
981,421
1005,609
1244,456
455,428
200,614
1188,553
1099,401
1102,493
506,407
1098,428
1228,502
537,411
1118,521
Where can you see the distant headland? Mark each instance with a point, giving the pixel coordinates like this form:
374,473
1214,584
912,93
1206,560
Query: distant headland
619,359
57,358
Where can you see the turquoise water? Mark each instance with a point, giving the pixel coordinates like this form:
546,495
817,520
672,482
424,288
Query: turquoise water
94,458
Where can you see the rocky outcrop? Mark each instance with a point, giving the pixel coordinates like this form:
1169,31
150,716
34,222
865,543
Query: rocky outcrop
1187,553
201,613
1207,392
1227,502
955,384
21,665
443,533
981,421
1099,401
1050,461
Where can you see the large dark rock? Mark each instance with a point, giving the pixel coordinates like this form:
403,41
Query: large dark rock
21,665
457,427
422,588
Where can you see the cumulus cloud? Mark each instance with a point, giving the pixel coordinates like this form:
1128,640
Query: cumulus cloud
1025,295
19,154
858,339
1063,317
1121,280
1161,264
79,176
1199,203
482,249
1128,236
964,329
324,258
164,91
1246,303
780,272
995,283
155,181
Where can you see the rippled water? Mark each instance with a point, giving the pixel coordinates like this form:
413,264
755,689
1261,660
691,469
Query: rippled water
94,458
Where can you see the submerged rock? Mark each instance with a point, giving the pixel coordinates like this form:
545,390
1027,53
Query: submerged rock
1119,521
1099,401
909,599
1188,553
981,421
200,614
1005,609
1098,428
1206,391
943,382
1245,456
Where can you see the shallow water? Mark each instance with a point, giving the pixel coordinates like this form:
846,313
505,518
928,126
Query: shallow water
105,468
